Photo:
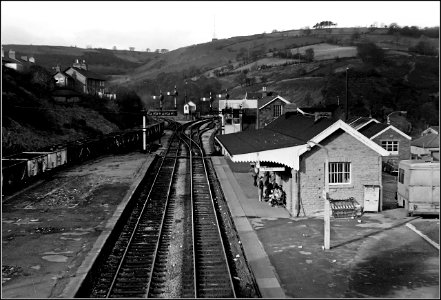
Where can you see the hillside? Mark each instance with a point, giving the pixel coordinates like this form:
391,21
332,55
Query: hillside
104,61
32,120
405,78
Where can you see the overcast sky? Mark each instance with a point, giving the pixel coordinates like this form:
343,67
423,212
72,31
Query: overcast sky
171,25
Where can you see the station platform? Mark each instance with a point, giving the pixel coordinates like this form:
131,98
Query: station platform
286,255
242,199
53,231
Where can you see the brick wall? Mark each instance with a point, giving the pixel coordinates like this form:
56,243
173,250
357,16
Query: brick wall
365,170
266,114
403,144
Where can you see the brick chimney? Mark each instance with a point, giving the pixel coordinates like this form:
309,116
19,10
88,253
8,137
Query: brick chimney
84,65
322,114
12,54
76,64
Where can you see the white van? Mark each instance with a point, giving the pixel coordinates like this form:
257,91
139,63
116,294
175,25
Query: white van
418,186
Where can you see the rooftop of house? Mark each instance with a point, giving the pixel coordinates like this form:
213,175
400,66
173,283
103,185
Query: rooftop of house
436,128
291,129
249,95
373,128
268,99
428,141
325,108
89,74
357,122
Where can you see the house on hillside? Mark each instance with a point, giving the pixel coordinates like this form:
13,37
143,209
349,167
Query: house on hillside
19,64
290,143
63,80
426,147
86,82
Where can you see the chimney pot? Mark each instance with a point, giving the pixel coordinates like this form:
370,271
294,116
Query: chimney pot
12,54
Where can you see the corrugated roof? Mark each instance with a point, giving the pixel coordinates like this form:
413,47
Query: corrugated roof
89,74
372,129
428,141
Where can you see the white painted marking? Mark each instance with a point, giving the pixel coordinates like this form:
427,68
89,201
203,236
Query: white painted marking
423,235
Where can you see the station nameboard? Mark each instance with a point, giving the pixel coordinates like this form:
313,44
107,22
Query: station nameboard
269,169
162,113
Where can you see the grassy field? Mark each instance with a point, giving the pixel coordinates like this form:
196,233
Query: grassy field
325,51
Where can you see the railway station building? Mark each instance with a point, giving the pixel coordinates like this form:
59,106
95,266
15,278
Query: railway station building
297,144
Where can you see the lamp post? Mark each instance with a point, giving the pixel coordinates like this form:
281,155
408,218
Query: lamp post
403,112
326,217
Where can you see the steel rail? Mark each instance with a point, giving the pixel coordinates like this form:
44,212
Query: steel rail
231,283
137,224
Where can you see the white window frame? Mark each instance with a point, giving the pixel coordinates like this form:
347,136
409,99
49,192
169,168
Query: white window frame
335,171
277,110
388,145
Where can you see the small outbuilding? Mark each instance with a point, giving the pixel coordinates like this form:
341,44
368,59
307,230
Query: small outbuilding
425,147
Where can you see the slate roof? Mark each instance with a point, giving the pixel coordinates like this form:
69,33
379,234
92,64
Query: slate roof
372,129
327,108
89,74
289,130
428,141
256,140
6,60
253,95
298,126
359,121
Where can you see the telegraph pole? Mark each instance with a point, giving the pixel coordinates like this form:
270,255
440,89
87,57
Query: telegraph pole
347,97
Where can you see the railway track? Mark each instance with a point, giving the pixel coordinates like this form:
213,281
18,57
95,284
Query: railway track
136,265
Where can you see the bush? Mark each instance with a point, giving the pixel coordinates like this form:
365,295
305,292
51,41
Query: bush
370,53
